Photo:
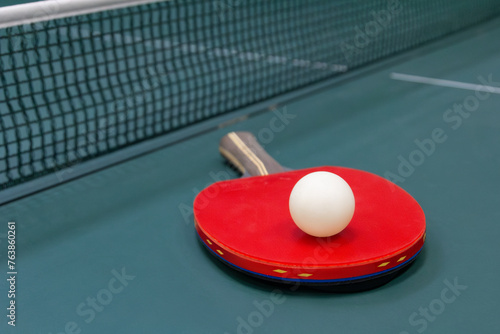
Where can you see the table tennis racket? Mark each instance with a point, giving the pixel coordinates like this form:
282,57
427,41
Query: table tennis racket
246,224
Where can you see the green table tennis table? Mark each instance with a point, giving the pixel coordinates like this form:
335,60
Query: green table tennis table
115,251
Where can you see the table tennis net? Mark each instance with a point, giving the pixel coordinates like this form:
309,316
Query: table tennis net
79,87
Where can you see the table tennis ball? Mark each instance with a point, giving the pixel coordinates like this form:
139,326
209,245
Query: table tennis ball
321,204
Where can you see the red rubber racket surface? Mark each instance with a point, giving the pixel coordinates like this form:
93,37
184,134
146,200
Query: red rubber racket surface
246,222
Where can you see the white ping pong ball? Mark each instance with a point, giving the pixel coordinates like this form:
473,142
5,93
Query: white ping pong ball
321,204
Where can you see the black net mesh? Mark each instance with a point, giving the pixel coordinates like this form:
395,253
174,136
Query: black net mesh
79,87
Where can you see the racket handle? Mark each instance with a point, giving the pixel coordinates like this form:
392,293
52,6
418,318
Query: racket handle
243,151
